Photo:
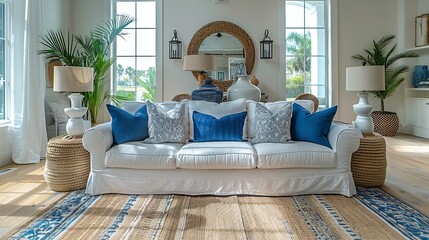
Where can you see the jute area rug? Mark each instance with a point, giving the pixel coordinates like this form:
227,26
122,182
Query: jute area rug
371,214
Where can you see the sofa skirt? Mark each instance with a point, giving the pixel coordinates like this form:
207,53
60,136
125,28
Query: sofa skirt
265,182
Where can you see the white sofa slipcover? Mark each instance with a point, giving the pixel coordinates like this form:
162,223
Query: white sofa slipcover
222,168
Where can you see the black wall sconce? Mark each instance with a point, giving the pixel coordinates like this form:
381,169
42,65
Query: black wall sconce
175,49
266,47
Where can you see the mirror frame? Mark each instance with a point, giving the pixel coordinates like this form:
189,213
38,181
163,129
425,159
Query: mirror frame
226,27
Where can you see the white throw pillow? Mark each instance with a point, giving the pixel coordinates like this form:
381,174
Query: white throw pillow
217,110
58,110
273,107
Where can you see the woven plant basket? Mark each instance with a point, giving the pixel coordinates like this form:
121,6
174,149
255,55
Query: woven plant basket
385,123
369,162
67,164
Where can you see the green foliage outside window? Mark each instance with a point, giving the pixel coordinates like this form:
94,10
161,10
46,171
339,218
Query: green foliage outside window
298,68
130,82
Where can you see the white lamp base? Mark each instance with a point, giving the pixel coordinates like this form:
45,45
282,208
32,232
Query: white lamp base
363,110
75,125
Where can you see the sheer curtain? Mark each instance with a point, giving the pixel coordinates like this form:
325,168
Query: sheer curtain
28,84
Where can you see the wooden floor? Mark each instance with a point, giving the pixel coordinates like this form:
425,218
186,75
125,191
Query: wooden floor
23,192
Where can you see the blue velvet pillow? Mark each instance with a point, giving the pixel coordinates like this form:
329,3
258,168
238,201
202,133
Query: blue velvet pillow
227,128
127,127
311,127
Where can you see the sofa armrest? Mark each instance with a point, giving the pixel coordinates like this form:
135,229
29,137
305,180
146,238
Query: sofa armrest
97,140
344,140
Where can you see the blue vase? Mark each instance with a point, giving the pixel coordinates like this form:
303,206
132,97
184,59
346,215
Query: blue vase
420,73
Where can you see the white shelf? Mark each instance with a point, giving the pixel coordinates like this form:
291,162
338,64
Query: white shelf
420,49
418,89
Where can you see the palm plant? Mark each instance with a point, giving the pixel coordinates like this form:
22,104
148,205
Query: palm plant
149,85
89,51
299,45
380,55
298,68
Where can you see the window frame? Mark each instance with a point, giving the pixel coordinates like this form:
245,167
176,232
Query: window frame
330,39
158,52
7,59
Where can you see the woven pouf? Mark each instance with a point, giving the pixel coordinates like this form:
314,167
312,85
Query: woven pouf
369,161
67,164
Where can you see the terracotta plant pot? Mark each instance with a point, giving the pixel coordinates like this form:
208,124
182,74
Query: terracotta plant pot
385,123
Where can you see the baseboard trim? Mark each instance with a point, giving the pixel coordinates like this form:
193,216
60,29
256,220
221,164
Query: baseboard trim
6,171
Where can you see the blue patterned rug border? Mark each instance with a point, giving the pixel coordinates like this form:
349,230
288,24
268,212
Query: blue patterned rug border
120,218
405,219
52,223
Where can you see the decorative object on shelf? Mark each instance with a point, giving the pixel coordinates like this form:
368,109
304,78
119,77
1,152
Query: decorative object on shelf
422,30
243,88
175,47
76,80
266,47
362,79
379,55
202,63
420,74
221,76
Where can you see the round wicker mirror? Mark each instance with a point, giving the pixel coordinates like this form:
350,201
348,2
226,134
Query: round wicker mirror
226,27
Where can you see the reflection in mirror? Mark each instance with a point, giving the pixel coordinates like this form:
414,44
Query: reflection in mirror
225,40
228,50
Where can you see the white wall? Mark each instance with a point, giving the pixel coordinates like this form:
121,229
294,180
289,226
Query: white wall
360,22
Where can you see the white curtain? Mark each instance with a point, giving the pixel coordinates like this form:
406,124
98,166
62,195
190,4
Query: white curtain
28,84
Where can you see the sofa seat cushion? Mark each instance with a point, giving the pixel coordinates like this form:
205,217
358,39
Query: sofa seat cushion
294,155
138,155
217,155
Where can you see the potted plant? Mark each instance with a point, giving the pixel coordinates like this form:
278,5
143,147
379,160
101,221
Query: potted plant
386,123
89,51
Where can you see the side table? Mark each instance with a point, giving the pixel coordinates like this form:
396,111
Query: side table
67,164
369,161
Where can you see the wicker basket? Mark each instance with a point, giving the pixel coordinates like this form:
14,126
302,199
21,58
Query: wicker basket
67,164
385,123
369,161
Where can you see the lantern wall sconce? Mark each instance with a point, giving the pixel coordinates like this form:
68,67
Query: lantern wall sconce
266,47
175,48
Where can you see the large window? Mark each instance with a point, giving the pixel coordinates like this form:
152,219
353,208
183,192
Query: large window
135,67
306,49
4,77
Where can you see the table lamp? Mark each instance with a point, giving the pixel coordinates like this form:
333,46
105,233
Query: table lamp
202,63
76,80
362,79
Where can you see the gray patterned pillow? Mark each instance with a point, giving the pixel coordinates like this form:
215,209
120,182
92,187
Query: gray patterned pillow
166,126
272,127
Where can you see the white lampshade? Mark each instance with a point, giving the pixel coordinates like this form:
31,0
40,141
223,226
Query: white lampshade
199,63
73,79
365,78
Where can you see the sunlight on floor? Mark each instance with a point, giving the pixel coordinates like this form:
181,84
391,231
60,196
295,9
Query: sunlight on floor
412,149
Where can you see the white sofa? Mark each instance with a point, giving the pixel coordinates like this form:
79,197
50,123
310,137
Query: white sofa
221,168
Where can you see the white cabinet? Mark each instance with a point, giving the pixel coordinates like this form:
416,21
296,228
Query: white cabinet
417,110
